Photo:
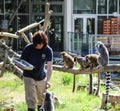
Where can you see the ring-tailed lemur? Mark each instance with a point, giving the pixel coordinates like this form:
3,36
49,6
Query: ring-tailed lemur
48,103
103,60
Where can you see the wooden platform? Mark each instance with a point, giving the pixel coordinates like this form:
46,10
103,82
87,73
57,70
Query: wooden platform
113,99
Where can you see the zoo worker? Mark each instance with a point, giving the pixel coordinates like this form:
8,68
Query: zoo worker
36,81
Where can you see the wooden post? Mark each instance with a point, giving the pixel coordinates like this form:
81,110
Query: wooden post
98,86
25,38
74,82
47,6
21,31
4,63
47,16
90,84
5,47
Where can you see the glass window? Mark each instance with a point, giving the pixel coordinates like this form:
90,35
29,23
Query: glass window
1,17
51,0
100,24
112,6
78,25
56,37
84,6
119,6
115,25
90,25
38,8
23,21
55,0
24,8
102,6
56,8
38,18
1,6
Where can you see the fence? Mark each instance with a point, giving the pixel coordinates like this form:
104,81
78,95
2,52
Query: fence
83,44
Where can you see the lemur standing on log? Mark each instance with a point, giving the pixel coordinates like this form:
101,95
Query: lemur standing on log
67,59
48,103
103,60
82,62
91,59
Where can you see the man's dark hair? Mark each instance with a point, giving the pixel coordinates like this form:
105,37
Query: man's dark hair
40,37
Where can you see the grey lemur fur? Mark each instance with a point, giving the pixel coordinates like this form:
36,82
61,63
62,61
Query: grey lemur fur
48,103
103,60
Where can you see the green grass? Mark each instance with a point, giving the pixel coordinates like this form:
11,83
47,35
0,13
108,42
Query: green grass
61,85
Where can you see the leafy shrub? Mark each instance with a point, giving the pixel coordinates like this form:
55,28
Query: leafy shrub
66,79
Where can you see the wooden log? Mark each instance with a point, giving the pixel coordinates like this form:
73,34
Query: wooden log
47,17
1,65
6,34
76,71
47,6
4,63
113,99
16,70
25,37
5,47
30,27
108,68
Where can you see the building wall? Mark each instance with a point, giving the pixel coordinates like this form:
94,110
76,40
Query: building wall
73,21
89,25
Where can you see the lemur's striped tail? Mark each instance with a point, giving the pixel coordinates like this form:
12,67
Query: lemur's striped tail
108,80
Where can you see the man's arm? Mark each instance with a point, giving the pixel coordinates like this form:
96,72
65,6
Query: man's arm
49,70
49,73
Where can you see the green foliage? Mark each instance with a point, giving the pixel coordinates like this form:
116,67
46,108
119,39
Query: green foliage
21,106
66,79
61,86
10,85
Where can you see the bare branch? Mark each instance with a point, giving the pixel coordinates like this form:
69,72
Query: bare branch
25,37
30,27
5,47
47,17
108,68
16,70
6,34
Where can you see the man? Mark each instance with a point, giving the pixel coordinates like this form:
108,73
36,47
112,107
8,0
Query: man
37,80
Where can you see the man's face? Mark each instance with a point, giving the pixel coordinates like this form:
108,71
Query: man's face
39,46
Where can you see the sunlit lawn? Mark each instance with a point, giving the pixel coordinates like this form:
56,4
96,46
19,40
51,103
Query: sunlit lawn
12,88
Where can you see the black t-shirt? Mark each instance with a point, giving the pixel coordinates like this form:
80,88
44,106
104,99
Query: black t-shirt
38,58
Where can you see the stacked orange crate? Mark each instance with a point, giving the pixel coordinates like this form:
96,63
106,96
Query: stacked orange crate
114,26
106,26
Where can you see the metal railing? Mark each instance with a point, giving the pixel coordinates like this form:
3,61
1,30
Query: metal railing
83,44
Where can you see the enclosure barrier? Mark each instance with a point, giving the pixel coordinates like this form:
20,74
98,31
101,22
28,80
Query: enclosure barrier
76,71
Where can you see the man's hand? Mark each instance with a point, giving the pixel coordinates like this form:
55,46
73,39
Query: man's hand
48,84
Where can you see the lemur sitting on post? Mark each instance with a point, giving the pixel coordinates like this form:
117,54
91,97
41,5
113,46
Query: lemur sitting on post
103,60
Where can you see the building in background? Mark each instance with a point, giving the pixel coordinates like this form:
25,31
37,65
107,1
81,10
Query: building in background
76,24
